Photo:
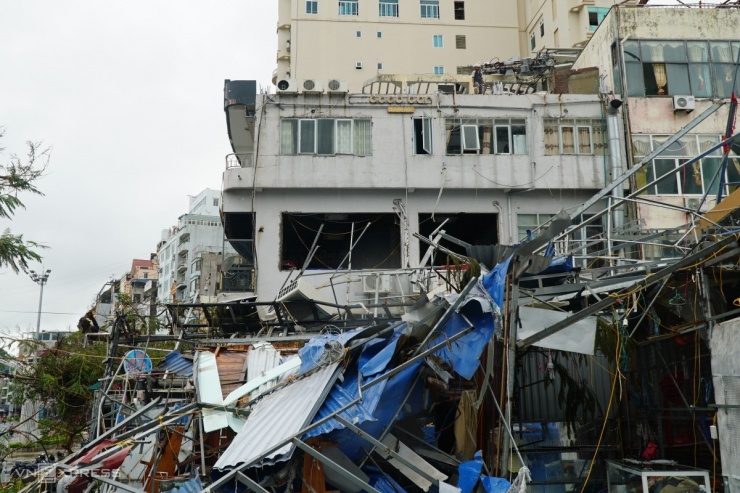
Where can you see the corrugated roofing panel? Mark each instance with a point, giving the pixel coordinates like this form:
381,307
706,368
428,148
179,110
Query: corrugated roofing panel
175,362
260,359
277,418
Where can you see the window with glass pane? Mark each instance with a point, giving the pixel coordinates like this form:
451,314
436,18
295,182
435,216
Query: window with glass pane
325,137
429,9
348,7
470,141
439,70
344,137
307,137
312,7
584,140
503,140
528,225
568,140
388,8
667,186
363,137
438,41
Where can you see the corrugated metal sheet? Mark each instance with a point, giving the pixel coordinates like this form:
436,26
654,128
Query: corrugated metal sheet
176,363
278,417
538,396
232,367
260,359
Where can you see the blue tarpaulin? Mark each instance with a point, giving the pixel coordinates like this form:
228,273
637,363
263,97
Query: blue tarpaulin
469,472
462,355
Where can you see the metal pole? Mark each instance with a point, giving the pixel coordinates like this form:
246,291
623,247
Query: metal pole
38,317
40,279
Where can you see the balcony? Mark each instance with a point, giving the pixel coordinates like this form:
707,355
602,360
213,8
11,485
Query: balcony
577,5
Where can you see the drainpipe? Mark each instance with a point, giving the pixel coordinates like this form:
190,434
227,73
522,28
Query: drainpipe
612,133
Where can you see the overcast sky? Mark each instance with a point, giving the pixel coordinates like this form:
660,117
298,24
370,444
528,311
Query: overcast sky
130,97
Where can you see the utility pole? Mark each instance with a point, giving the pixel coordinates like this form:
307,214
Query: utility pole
40,279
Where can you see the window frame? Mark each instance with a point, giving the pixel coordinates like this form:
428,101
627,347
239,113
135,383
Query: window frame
312,7
438,41
438,70
429,9
461,42
349,8
298,146
388,8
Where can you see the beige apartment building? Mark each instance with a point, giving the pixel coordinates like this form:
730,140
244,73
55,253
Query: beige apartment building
356,40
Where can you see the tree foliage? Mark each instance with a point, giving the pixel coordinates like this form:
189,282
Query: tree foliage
19,176
60,380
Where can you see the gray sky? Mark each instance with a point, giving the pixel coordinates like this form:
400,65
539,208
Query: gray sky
130,97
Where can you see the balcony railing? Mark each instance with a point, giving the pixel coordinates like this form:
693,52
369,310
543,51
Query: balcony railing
239,160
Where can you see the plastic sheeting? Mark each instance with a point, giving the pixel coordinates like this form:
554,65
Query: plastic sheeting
462,355
313,352
469,472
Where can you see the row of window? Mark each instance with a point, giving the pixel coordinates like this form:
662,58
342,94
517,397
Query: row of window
437,40
698,68
696,179
428,9
331,136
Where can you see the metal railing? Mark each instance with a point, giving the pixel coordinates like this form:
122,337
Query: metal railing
235,160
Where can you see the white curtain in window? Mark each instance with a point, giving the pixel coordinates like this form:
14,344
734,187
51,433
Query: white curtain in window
344,137
567,139
363,137
598,139
584,140
723,53
706,142
689,146
551,139
287,138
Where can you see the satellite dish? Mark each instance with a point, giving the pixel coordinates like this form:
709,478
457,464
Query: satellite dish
136,363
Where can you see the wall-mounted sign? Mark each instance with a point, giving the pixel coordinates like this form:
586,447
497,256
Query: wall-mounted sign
401,100
400,109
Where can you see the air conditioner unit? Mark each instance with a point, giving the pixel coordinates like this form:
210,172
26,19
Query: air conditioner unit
376,283
683,103
335,85
287,85
312,85
358,65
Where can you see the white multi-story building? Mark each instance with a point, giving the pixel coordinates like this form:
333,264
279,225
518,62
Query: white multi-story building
198,232
355,40
371,170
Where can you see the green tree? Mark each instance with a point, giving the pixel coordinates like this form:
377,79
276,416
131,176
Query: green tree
19,176
60,380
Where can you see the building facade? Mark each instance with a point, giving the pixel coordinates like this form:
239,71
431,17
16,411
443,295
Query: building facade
670,66
355,40
181,249
371,171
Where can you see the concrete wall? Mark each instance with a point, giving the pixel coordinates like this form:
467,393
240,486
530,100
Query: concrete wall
393,163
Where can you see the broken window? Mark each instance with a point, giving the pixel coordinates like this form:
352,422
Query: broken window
528,225
499,136
239,232
422,135
475,229
698,68
325,136
379,247
697,178
575,136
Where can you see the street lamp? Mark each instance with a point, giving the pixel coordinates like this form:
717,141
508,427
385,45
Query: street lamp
39,279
